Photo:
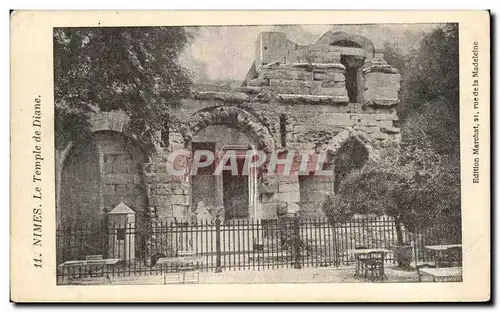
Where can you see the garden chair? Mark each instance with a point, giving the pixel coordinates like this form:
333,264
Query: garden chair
359,261
373,266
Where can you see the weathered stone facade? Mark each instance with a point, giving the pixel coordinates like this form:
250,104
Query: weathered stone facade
295,98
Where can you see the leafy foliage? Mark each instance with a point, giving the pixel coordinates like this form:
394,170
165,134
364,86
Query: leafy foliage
417,182
135,70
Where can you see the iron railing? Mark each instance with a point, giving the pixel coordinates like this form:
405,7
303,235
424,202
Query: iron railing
163,246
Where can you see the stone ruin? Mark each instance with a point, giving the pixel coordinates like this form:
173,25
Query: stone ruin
337,96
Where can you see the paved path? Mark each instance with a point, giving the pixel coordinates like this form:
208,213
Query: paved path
305,275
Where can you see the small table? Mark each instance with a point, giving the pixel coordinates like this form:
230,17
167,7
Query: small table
441,251
443,273
185,273
368,251
98,263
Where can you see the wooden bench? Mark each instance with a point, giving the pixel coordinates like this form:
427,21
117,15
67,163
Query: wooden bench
453,274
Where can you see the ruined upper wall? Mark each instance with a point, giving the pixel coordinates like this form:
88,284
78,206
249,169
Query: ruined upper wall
283,67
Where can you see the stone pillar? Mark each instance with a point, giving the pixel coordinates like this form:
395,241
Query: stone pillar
121,233
168,194
382,82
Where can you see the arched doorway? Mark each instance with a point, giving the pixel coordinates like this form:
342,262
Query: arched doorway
99,173
351,155
222,130
80,186
233,191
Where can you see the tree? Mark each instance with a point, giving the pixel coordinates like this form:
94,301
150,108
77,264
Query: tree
133,69
429,73
412,182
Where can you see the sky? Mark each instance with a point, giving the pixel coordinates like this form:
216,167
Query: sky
227,52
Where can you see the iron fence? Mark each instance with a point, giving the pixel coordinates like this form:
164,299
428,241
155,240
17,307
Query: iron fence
124,250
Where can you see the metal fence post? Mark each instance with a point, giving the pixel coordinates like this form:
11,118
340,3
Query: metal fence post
218,268
297,242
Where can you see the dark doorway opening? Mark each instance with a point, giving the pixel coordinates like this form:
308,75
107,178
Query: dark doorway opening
235,193
353,77
203,182
351,156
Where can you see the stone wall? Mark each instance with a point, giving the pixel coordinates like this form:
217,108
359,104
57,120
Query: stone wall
121,172
79,202
295,98
98,174
168,195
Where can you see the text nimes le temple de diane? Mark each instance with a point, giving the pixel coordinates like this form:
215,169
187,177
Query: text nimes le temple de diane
37,180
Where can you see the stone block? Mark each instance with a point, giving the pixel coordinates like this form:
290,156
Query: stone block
323,48
135,189
155,200
121,189
290,89
380,93
390,116
164,212
293,208
160,177
163,189
109,189
332,91
137,179
110,201
270,186
333,84
287,74
318,195
151,189
132,167
180,212
108,168
382,80
258,82
288,178
269,198
110,158
177,200
181,188
118,178
290,197
267,211
324,57
148,167
379,136
281,208
390,130
367,129
288,187
368,122
333,76
289,83
121,160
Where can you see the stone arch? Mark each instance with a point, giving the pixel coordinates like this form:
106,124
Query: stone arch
331,38
349,150
361,137
232,117
111,122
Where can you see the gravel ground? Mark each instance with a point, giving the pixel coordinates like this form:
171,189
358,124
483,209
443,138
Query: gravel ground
305,275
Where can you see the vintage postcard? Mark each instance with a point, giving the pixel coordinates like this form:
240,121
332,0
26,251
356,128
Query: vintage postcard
250,156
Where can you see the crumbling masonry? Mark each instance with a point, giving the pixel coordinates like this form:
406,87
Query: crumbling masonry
322,97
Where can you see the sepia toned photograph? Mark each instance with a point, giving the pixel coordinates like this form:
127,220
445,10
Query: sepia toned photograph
250,156
257,154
